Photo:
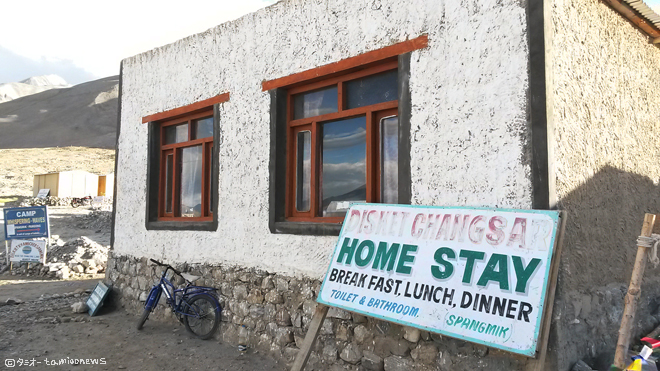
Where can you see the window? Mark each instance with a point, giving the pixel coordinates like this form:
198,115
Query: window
344,135
185,168
182,176
340,133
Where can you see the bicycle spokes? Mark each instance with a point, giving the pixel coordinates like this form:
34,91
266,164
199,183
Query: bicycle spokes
201,317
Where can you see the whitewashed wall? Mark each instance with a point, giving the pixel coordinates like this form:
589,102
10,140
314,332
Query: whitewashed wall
469,128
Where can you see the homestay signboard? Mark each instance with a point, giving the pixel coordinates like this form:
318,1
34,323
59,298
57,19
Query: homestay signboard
475,274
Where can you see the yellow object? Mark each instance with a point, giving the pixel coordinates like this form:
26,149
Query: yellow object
636,365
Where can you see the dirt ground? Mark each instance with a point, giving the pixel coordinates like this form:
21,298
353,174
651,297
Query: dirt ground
44,329
66,223
18,166
42,333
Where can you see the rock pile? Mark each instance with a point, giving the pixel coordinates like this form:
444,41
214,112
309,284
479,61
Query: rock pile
106,204
47,201
96,220
81,257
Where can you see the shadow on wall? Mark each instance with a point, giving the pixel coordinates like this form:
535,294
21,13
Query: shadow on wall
605,216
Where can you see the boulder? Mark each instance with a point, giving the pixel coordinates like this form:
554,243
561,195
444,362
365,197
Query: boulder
79,307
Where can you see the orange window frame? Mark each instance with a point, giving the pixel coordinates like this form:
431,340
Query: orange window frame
175,150
373,115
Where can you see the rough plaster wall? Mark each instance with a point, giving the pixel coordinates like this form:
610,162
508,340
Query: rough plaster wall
607,119
468,127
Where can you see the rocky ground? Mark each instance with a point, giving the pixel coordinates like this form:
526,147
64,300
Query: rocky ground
79,244
39,326
40,331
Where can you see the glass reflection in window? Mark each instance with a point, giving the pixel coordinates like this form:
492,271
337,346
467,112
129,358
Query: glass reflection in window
204,128
373,89
303,170
344,171
176,134
191,182
389,160
315,103
210,184
169,163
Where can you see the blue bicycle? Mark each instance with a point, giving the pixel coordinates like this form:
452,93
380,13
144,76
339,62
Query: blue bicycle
197,307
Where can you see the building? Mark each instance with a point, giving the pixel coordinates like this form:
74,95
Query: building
74,183
239,149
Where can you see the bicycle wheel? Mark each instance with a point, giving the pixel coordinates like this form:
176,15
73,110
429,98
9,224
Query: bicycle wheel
143,319
202,316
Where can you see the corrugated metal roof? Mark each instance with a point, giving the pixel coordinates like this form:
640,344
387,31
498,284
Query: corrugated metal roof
645,11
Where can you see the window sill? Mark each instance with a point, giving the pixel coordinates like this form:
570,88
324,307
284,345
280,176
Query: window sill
306,228
182,226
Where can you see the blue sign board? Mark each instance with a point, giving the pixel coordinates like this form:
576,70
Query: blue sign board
26,222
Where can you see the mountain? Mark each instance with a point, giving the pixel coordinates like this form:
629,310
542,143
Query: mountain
46,80
83,115
358,194
36,84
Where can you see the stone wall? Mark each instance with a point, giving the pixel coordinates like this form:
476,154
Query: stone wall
606,115
276,311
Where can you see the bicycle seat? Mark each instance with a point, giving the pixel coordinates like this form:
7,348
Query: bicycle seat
190,277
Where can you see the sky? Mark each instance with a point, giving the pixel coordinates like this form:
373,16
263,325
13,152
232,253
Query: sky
82,40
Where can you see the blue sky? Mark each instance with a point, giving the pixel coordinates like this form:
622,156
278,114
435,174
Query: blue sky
82,40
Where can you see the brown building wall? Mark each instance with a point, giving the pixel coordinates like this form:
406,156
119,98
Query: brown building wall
607,164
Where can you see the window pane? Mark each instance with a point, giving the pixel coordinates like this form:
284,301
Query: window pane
389,161
344,153
176,134
373,89
204,128
315,103
303,170
169,162
211,195
191,181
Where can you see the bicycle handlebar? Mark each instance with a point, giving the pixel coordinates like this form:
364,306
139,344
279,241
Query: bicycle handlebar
167,266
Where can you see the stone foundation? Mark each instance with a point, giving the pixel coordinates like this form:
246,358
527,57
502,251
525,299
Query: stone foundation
276,311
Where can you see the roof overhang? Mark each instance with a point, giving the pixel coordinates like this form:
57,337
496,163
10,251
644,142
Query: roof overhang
641,15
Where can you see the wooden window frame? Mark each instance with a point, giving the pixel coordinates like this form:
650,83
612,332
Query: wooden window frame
278,88
313,124
155,220
175,149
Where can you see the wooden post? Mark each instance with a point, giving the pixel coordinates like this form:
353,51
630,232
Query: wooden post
539,363
310,338
632,297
